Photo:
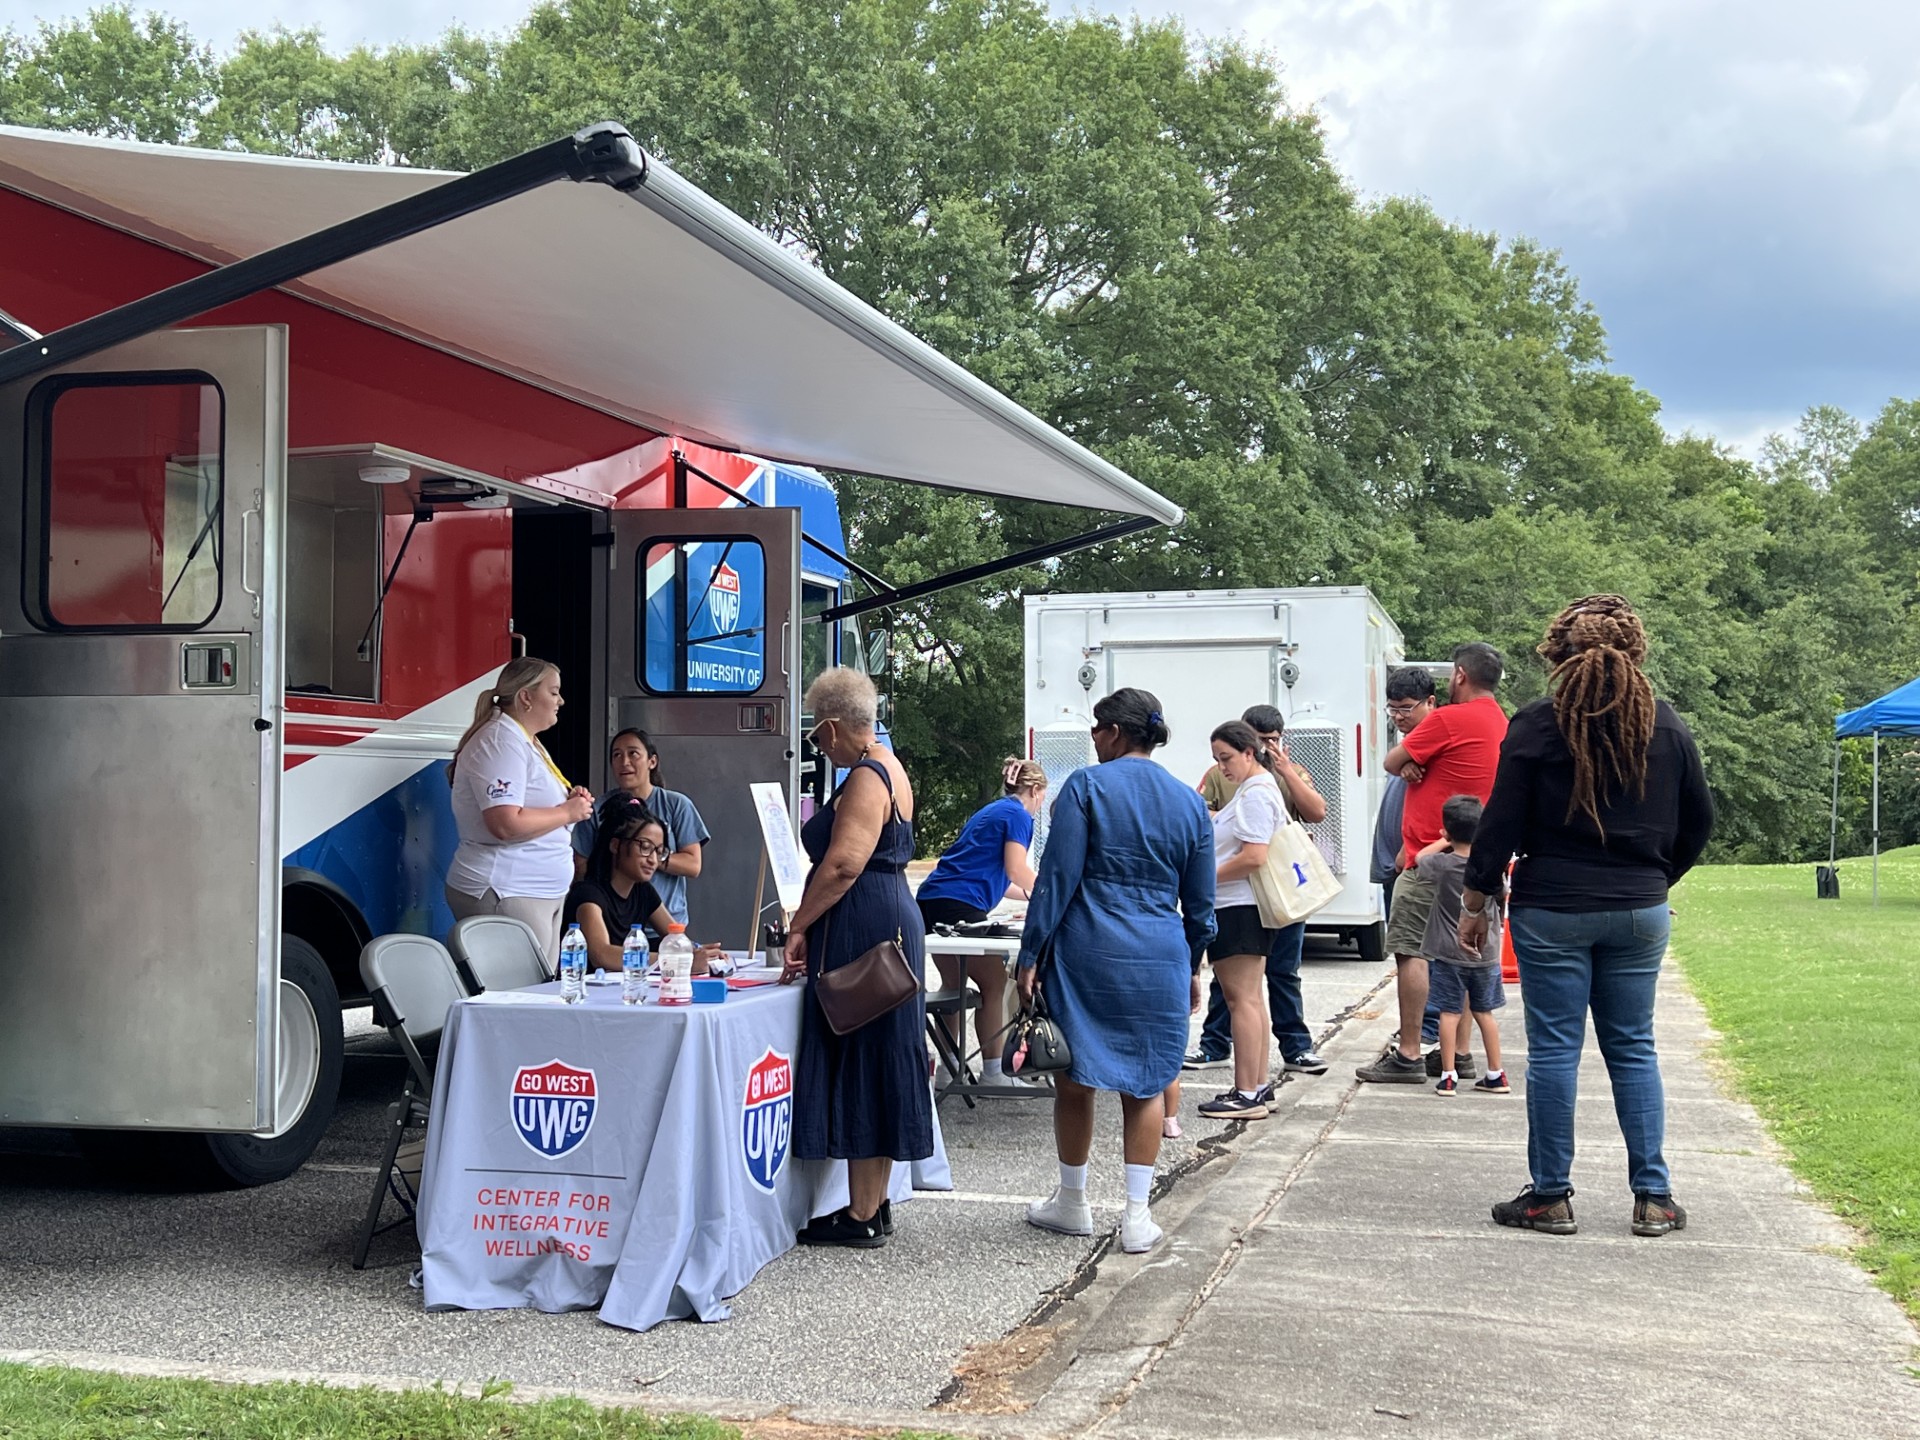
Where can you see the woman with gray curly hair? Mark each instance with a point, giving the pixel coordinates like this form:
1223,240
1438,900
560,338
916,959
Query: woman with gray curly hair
862,1097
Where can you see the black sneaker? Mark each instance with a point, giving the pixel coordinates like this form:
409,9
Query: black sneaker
885,1217
1494,1084
840,1228
1657,1214
1463,1065
1393,1068
1201,1060
1551,1215
1232,1105
1447,1087
1307,1064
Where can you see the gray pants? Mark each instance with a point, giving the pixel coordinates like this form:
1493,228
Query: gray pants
542,915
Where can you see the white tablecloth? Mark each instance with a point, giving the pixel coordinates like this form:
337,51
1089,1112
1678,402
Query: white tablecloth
635,1158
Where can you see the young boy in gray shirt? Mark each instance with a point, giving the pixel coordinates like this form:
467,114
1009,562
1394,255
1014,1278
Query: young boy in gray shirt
1460,981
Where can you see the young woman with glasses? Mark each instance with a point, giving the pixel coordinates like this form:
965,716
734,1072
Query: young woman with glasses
618,891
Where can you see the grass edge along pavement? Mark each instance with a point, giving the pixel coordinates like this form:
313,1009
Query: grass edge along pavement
1817,1003
51,1402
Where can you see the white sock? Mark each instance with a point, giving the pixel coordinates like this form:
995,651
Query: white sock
1139,1184
1247,1094
1073,1177
989,1068
1450,1075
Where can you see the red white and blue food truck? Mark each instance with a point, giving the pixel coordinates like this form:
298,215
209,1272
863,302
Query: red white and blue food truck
301,453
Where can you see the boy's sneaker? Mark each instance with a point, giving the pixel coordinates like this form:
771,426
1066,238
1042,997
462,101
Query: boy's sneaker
1494,1084
1657,1214
1232,1105
1448,1086
1463,1065
1393,1068
1307,1064
1201,1060
1551,1215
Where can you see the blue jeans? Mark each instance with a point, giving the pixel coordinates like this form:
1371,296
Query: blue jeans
1284,1005
1607,961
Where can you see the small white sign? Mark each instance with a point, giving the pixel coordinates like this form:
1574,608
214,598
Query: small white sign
776,827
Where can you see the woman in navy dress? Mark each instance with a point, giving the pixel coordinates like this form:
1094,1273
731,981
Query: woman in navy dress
1123,911
863,1097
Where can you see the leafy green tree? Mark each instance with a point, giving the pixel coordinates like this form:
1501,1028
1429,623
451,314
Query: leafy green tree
109,74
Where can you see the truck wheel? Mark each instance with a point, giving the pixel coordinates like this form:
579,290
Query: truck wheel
1373,942
311,1049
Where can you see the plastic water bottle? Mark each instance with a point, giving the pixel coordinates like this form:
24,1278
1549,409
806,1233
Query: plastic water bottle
573,966
633,967
676,967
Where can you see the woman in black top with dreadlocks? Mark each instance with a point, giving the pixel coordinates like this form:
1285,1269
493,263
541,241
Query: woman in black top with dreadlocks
1601,795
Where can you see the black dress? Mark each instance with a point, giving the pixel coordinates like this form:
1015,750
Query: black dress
865,1095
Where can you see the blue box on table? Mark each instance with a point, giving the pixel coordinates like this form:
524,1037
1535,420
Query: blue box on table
709,990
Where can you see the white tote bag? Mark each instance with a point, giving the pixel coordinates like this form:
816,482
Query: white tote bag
1296,880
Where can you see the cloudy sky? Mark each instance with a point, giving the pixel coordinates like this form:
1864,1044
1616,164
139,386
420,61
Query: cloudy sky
1735,182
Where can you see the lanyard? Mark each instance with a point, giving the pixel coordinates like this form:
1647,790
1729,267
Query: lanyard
541,751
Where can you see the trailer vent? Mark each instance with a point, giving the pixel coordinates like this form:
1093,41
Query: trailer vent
1059,750
1317,749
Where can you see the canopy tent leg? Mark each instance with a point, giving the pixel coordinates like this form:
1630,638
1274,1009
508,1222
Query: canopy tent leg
1876,817
1833,817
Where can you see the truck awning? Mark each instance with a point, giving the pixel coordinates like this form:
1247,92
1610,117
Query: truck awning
658,305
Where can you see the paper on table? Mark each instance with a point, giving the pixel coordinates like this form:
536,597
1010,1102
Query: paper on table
515,997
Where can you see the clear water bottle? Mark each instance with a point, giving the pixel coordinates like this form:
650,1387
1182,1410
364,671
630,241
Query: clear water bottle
633,967
573,966
676,967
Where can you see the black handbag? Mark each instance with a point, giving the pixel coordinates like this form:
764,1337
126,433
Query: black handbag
1035,1043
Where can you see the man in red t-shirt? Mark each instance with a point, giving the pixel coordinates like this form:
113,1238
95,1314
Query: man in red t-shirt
1454,751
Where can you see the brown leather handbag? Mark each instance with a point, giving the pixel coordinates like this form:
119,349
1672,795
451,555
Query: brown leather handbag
867,987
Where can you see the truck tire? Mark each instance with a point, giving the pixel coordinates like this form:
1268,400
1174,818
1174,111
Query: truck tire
1373,942
312,1049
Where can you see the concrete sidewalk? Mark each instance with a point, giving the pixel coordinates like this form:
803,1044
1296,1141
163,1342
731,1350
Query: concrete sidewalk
1346,1279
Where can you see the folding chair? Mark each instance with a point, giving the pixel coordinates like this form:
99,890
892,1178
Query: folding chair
413,982
940,1004
498,952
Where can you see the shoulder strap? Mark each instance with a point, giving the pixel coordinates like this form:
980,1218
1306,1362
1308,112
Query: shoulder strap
867,762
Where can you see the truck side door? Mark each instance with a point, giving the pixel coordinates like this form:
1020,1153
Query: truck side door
140,703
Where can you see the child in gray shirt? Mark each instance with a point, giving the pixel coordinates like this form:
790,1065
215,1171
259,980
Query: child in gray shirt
1461,982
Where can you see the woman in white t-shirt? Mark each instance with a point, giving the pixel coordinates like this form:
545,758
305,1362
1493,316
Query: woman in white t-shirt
513,808
1242,830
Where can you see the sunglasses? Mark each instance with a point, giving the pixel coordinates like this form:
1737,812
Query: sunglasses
812,736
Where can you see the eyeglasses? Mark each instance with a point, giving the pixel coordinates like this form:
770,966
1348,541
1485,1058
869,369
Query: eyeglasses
643,848
1403,707
812,736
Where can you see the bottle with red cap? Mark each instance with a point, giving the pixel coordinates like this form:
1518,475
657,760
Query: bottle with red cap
676,967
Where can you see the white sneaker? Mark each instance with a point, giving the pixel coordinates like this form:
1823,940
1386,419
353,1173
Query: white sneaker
1138,1233
1065,1212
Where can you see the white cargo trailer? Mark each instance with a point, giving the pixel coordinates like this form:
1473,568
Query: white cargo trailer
1319,655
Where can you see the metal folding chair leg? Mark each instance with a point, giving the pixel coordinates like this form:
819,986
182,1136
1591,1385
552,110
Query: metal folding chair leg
404,1112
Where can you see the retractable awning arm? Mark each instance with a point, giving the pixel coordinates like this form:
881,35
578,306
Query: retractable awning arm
603,153
887,594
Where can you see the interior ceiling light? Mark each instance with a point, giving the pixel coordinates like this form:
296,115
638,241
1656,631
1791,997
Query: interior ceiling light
385,474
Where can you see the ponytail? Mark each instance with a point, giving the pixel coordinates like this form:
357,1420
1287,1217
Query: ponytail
521,673
1243,737
1017,775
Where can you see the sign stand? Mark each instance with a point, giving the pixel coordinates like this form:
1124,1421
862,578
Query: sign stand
778,848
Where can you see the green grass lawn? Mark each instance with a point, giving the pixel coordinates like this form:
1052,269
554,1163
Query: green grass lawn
1819,1004
46,1403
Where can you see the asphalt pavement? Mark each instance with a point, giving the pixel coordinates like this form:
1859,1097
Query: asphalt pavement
259,1281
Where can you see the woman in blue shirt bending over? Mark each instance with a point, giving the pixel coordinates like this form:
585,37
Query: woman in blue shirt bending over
986,864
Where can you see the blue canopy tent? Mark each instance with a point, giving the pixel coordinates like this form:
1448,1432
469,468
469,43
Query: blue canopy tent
1895,713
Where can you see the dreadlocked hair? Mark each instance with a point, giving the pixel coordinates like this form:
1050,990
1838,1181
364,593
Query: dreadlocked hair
1602,698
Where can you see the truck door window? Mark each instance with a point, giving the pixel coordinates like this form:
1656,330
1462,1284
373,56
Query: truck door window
702,616
130,530
816,640
333,580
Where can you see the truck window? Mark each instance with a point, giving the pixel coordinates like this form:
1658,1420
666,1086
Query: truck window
333,580
702,620
130,530
816,640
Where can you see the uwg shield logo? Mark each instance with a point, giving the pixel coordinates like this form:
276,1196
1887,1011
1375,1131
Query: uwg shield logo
553,1106
725,599
766,1118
